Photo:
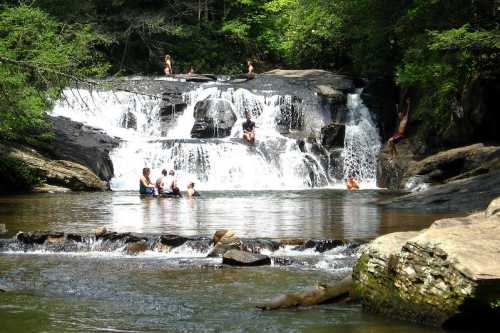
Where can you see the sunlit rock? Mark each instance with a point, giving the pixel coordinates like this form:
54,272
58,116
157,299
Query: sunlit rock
443,276
243,258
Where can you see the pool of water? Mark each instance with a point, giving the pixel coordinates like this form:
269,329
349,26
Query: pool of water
55,292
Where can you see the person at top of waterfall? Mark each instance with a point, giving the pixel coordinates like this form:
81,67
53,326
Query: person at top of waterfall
400,131
249,129
250,73
191,192
190,71
352,183
170,184
146,187
160,182
168,65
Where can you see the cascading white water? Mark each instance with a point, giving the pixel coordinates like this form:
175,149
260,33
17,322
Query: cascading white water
361,143
274,162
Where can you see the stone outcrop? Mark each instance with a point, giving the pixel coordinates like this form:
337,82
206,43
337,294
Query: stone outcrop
443,276
214,118
243,258
61,173
439,180
81,144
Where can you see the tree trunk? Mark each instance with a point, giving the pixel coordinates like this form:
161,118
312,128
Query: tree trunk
339,292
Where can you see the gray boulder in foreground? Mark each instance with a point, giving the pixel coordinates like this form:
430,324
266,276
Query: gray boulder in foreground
447,275
243,258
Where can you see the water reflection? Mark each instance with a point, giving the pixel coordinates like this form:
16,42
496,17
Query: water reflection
326,213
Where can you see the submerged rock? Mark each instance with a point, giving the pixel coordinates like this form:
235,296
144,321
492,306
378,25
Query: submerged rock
243,258
446,275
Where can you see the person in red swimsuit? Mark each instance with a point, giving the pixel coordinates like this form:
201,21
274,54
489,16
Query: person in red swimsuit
399,134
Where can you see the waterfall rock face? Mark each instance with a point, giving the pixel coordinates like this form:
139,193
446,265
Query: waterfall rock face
447,275
214,118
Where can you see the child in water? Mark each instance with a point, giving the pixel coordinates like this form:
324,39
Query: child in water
191,192
352,184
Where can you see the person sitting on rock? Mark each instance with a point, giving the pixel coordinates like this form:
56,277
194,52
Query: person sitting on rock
191,192
399,134
249,129
352,183
170,185
160,182
168,65
146,187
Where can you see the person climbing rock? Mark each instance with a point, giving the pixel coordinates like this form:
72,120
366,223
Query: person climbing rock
249,129
399,134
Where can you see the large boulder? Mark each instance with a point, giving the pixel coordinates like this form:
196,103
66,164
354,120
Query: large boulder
61,173
443,167
447,275
463,195
214,118
81,144
243,258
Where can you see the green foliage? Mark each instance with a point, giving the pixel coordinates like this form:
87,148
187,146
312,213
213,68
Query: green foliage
17,176
39,57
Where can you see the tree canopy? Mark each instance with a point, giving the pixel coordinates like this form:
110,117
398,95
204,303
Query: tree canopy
437,48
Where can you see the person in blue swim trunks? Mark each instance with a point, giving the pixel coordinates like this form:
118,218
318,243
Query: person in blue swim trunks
146,187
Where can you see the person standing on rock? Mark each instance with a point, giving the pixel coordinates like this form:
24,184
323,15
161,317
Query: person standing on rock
249,129
168,65
146,187
399,134
250,73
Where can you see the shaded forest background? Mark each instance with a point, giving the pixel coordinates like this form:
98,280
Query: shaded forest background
445,52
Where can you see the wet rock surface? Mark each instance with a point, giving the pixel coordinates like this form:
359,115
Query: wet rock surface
461,179
214,118
243,258
443,276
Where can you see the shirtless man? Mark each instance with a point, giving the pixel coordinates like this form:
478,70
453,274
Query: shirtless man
250,74
399,134
249,129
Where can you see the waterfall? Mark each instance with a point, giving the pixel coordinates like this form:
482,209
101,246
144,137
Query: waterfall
275,162
361,143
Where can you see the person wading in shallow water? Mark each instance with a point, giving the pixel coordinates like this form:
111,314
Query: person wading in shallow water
168,65
352,184
146,187
400,131
249,129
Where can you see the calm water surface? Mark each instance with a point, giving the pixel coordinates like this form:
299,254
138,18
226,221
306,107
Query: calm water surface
79,293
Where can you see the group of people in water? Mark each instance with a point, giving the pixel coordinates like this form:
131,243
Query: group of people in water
165,185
